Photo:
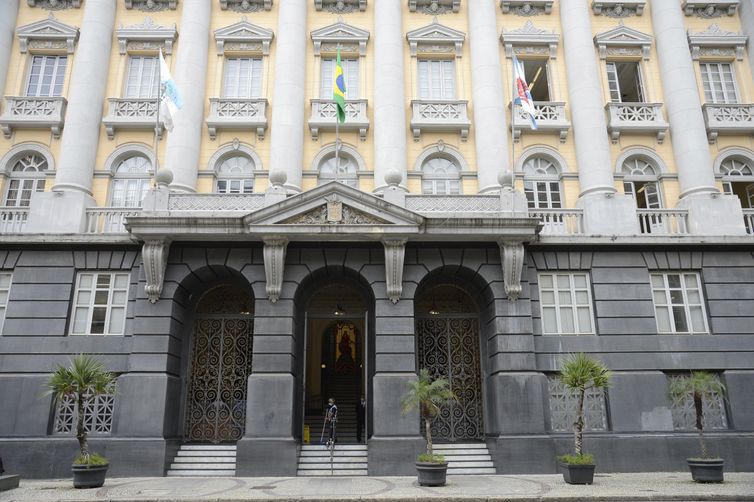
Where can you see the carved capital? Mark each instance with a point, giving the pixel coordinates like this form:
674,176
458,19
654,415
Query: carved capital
154,253
274,265
512,257
395,252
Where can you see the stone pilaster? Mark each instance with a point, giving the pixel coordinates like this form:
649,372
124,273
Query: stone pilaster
389,96
8,14
190,73
288,98
490,119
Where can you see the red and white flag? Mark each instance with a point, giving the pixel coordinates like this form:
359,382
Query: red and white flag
521,94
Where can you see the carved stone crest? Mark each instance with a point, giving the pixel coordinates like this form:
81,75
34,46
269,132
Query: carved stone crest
53,4
246,5
341,6
526,8
334,209
334,212
151,5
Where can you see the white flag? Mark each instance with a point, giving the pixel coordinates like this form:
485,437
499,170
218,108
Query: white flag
171,100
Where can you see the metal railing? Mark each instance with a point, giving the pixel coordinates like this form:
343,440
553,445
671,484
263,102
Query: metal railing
108,220
560,221
663,221
13,219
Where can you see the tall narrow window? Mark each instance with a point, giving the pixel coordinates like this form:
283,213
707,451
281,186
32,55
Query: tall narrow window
27,176
243,78
719,83
566,303
640,182
235,175
142,77
350,75
46,76
625,83
5,279
437,79
131,182
542,183
538,79
679,305
100,303
738,179
441,176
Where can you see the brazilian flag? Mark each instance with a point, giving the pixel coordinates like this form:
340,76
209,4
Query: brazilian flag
339,90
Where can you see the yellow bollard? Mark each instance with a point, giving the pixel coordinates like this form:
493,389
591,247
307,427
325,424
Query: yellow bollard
306,434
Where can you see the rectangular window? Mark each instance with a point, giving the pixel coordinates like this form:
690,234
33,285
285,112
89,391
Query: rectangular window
142,77
100,303
684,414
231,186
350,74
566,302
5,279
679,305
129,192
624,81
46,76
437,79
538,79
543,194
719,83
564,403
98,414
243,78
20,190
645,193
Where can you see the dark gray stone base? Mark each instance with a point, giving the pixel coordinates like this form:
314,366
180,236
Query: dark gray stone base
258,457
394,456
9,482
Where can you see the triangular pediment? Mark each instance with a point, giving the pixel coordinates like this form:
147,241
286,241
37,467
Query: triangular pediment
48,31
350,38
718,43
147,35
243,32
623,37
433,35
336,205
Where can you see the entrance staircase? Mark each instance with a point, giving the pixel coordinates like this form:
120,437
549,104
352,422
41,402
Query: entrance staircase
345,389
348,460
206,460
466,459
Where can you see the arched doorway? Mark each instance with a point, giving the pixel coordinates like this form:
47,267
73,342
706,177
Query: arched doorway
448,345
219,366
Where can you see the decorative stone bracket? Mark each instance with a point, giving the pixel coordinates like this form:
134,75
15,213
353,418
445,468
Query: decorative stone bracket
512,257
395,252
154,253
274,265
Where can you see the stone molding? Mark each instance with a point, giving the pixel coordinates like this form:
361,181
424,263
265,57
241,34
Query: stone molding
512,258
152,5
395,253
623,41
274,265
154,253
530,40
243,36
47,34
341,6
708,10
146,36
436,38
246,5
349,38
53,4
526,7
714,42
618,8
434,7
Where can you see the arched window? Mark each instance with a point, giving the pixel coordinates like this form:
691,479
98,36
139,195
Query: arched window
441,175
347,172
132,178
235,174
640,182
738,178
26,177
542,183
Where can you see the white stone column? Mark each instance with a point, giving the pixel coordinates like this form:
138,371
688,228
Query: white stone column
389,94
709,212
288,97
190,74
747,23
605,211
490,124
8,14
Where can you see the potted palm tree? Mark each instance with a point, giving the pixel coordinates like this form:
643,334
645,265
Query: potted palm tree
701,386
580,373
427,395
84,379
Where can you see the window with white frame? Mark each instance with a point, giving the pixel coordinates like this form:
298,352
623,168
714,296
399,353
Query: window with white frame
538,79
566,303
235,175
738,179
640,182
5,280
131,181
437,79
350,76
347,172
542,183
243,78
99,306
142,77
625,82
46,76
679,304
98,413
719,83
684,413
26,177
441,175
564,405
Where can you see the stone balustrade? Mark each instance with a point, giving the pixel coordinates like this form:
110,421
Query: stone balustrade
550,117
324,115
663,221
560,221
131,113
26,112
237,113
109,220
440,116
13,219
636,118
729,118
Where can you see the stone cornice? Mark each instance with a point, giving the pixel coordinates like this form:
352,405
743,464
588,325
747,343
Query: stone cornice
622,37
243,36
716,42
47,34
435,38
146,36
349,38
530,40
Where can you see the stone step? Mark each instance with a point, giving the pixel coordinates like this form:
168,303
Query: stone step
470,472
338,447
215,460
468,465
327,472
206,453
342,460
460,446
467,458
218,447
202,473
337,454
202,466
335,466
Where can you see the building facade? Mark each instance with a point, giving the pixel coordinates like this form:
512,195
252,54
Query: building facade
237,270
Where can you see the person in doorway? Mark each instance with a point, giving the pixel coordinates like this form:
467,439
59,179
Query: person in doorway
331,419
361,413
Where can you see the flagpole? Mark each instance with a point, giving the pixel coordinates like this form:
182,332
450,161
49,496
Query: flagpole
337,125
157,114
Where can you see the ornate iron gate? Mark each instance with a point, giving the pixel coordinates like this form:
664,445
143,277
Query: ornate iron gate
449,348
220,366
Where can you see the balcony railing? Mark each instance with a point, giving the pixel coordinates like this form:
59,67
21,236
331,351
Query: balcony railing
663,221
560,221
324,115
636,118
24,112
440,116
728,119
550,117
13,219
749,221
237,113
215,202
131,113
108,220
453,203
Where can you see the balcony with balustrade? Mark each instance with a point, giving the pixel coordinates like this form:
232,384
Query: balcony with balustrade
636,118
749,221
237,113
663,221
559,222
27,112
730,118
108,220
131,113
13,219
430,115
550,117
324,115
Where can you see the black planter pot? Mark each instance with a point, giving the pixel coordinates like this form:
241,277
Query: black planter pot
706,470
431,473
577,474
89,476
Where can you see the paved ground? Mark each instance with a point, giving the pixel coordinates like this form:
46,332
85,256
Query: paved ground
607,487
